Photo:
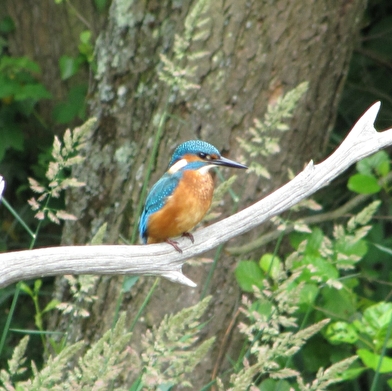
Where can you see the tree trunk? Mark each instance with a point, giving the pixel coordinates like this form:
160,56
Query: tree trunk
257,50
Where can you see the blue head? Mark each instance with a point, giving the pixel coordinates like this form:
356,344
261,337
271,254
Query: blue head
200,151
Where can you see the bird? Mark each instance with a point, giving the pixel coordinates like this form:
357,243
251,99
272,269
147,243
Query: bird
182,196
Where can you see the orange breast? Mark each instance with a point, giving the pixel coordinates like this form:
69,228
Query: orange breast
184,209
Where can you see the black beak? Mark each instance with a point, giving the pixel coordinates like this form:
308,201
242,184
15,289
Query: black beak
222,161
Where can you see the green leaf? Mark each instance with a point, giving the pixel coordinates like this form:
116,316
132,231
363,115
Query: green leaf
51,305
263,307
340,304
129,282
32,91
12,65
74,106
69,66
271,265
8,87
166,386
383,168
248,274
99,235
85,47
274,385
358,248
26,289
308,294
363,184
101,4
340,332
375,323
319,267
379,163
85,36
37,285
352,373
11,137
314,242
371,360
7,25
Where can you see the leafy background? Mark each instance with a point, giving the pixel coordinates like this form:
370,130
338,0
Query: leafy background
350,279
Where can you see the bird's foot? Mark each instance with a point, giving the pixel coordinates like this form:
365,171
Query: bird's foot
189,236
174,244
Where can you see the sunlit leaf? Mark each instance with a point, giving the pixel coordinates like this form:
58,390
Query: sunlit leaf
248,273
363,184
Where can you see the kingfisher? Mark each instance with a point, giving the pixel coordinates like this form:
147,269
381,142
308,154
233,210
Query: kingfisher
183,195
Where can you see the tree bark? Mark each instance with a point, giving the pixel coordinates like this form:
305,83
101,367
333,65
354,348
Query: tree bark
257,50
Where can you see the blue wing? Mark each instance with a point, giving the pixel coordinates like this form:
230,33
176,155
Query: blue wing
156,199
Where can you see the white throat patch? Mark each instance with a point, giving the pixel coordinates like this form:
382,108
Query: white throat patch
203,170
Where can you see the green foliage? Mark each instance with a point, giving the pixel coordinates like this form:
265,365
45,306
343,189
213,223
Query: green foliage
75,104
370,171
292,297
20,92
274,338
249,274
312,282
69,66
39,313
369,334
64,156
73,107
363,184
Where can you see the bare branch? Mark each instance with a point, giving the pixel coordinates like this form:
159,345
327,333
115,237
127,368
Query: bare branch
162,259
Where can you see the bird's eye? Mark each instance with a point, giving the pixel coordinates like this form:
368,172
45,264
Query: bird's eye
203,155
